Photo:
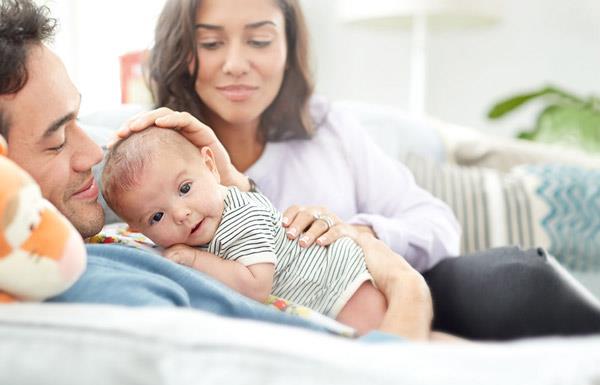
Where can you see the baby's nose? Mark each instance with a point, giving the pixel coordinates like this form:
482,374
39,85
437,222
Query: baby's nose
182,214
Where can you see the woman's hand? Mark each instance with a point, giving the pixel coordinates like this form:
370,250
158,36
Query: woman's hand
316,223
196,132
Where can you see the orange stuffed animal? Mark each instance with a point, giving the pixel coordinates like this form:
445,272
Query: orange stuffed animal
41,253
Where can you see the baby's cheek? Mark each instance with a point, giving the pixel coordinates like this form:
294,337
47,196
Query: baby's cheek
153,235
166,237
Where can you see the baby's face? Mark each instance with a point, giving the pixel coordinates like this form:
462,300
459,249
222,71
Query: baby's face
178,200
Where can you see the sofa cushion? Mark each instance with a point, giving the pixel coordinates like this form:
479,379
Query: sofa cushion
503,154
397,132
470,147
553,206
565,203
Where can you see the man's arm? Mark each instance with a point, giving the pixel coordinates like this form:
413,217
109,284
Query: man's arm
410,308
254,281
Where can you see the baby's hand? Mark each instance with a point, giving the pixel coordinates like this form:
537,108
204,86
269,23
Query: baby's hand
182,254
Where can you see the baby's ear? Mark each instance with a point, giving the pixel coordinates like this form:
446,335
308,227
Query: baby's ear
206,152
209,161
3,146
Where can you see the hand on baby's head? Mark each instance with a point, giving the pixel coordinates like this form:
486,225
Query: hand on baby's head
128,157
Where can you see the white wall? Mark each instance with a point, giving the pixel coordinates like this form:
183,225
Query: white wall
537,42
91,37
540,42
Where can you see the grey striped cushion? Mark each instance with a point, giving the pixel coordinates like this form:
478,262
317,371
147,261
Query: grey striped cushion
523,207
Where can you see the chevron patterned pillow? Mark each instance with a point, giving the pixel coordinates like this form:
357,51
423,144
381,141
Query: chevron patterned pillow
553,206
566,211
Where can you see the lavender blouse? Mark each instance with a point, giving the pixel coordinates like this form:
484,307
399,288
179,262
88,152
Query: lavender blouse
341,168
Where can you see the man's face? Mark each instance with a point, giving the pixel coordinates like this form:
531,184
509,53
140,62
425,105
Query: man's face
45,139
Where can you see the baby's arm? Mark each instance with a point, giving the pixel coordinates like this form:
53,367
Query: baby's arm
254,281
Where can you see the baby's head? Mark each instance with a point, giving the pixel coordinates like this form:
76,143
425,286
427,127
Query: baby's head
165,187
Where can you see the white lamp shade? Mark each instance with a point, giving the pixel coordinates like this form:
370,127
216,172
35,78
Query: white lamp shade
401,12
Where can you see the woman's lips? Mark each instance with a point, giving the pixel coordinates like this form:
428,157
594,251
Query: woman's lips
88,192
237,93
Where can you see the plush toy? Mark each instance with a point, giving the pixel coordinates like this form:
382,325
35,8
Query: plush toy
41,253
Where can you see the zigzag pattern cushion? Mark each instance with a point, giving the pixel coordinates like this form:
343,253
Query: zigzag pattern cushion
569,211
553,206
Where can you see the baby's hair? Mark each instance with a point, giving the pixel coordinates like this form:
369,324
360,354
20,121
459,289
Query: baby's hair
125,161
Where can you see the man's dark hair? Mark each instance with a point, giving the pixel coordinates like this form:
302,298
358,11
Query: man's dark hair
22,24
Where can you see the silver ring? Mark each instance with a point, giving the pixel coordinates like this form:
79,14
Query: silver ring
328,221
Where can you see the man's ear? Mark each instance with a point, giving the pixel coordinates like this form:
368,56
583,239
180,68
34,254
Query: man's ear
3,146
209,161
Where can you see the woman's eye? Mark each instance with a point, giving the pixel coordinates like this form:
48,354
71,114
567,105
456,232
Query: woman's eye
259,43
185,188
210,45
156,218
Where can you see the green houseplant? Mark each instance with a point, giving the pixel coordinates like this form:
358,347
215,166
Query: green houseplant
566,118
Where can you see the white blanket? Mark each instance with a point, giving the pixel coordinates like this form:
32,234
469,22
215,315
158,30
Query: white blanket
96,344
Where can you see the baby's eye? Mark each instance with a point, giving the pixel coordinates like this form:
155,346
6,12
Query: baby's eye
156,218
185,188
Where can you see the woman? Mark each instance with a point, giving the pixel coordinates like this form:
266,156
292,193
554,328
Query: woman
241,67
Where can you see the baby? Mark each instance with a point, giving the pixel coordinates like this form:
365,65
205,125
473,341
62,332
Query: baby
168,189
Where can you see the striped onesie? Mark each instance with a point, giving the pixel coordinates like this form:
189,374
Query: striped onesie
321,278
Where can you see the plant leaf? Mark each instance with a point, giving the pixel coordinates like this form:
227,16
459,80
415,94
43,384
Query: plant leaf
577,126
505,106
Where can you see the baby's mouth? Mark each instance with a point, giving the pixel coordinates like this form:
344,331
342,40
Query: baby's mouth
196,227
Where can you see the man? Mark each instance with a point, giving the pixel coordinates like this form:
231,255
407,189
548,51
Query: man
38,111
39,122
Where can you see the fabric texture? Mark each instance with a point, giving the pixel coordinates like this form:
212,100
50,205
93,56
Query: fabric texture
507,293
321,278
504,153
552,206
124,275
342,169
566,205
99,345
118,234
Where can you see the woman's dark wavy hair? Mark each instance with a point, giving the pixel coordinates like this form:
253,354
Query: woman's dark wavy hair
22,23
173,86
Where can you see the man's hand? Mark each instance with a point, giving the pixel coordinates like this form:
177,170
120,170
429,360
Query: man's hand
196,132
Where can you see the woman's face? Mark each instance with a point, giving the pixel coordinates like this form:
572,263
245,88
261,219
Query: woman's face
242,55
